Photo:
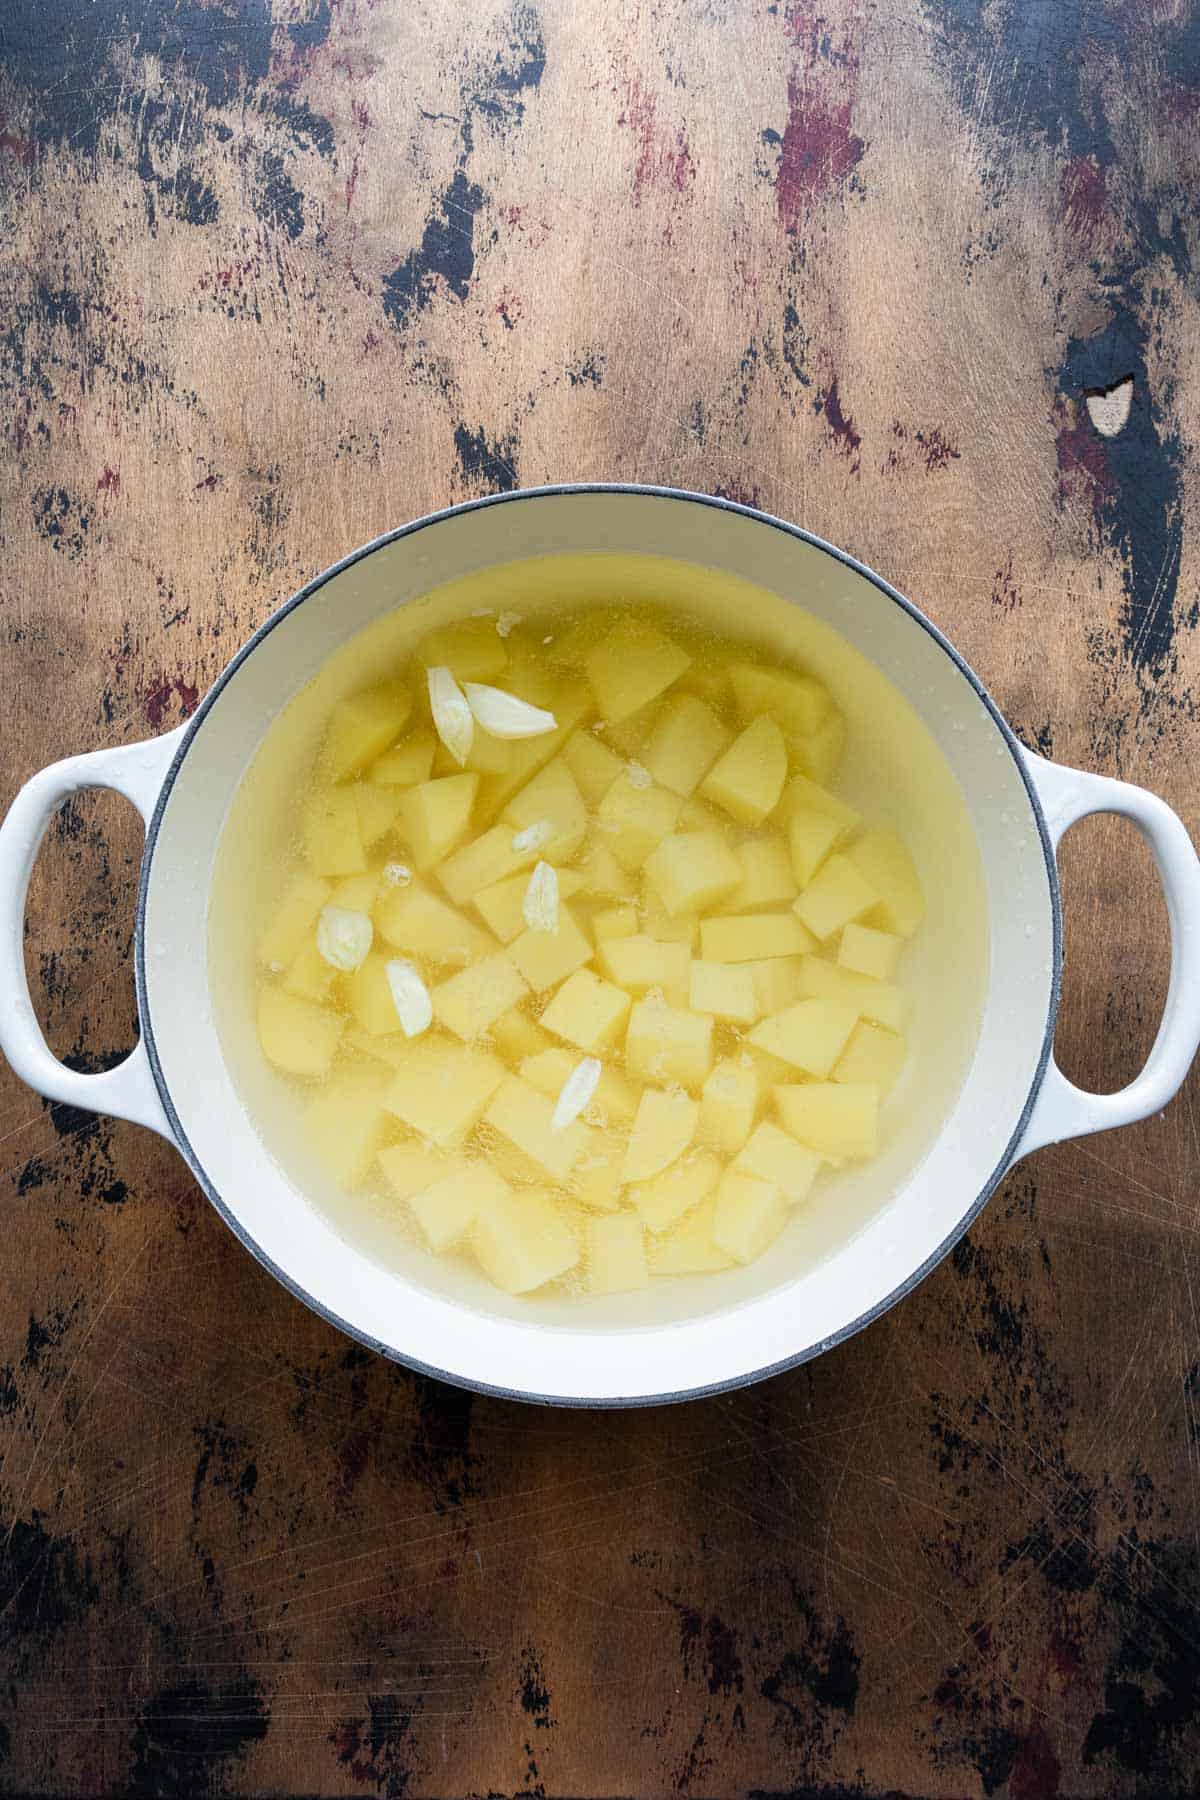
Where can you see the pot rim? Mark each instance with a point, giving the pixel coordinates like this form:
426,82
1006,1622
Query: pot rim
549,491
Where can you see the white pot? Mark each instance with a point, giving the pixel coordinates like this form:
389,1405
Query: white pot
983,816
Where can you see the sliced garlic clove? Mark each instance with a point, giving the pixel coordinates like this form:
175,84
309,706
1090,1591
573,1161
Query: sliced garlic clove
451,715
344,937
397,874
533,836
502,715
507,622
577,1090
539,908
410,996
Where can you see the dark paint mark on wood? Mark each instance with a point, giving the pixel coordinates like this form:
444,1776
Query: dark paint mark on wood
188,1734
841,426
446,257
493,465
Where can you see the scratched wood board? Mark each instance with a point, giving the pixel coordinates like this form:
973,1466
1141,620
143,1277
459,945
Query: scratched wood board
275,278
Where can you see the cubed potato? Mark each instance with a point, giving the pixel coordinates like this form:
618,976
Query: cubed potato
547,957
774,1155
523,1241
804,795
873,1057
487,756
615,922
837,893
472,649
835,1118
588,1012
633,820
867,951
799,704
345,1124
812,836
412,1167
753,937
820,754
309,975
524,1116
502,906
549,1071
482,863
512,1165
357,893
443,1087
692,871
771,1070
767,878
776,982
571,646
448,1209
729,1105
691,1248
391,1049
668,1043
749,1215
663,1201
602,877
663,1127
616,1255
570,702
880,1001
686,741
552,796
362,727
747,780
369,994
406,764
629,736
293,920
435,816
640,963
596,1180
632,666
297,1035
726,990
421,924
811,1034
377,808
882,859
658,924
471,1001
594,766
516,1035
332,838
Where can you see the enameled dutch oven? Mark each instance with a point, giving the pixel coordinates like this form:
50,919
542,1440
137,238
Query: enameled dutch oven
990,1098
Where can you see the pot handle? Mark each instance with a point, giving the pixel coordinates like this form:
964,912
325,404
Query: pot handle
1062,1110
137,771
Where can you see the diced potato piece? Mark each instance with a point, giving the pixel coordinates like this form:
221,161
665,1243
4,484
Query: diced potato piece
797,703
635,820
482,863
774,1155
820,754
547,957
601,875
447,1210
691,1248
436,815
443,1087
882,858
512,1165
771,1070
666,1043
729,1105
802,794
633,665
753,937
345,1124
408,763
587,1012
293,919
866,951
659,925
686,741
640,963
692,871
523,1116
570,702
776,982
502,906
469,1002
726,990
663,1128
357,893
836,894
880,1001
571,646
377,808
421,924
309,975
487,756
615,922
616,1255
811,1034
811,838
332,838
593,765
548,1070
522,1241
596,1180
628,737
370,996
749,1215
662,1201
767,878
412,1167
873,1056
391,1049
472,649
835,1118
362,727
551,795
297,1035
747,781
696,815
517,1035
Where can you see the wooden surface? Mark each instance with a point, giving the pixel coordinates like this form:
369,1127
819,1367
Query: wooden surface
274,278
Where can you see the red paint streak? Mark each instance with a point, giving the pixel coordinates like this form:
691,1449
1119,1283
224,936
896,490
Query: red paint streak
24,149
1084,198
351,182
1083,469
156,699
509,308
1066,1658
209,482
109,482
939,451
659,158
845,436
360,114
732,490
1005,594
818,154
372,340
1036,1770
